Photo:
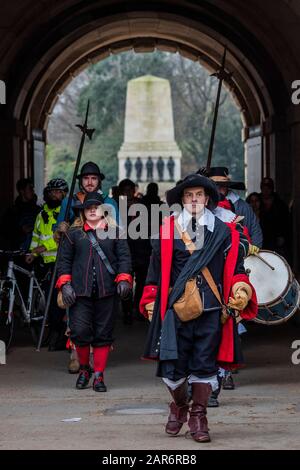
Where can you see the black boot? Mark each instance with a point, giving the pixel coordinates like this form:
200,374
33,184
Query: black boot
84,377
98,384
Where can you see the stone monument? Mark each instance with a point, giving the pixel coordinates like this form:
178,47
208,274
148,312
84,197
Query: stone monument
149,140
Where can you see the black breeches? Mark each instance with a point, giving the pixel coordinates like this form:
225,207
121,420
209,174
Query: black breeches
92,321
198,344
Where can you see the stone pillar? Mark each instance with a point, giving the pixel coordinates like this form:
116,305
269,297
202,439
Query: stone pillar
13,151
278,156
149,130
39,149
253,158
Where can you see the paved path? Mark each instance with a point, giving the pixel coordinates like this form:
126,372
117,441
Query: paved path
37,393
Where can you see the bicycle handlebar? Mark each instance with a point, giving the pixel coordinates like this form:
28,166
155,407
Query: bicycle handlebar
13,253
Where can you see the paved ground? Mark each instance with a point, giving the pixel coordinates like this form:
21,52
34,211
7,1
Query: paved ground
37,393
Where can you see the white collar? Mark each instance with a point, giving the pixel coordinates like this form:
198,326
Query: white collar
232,196
207,218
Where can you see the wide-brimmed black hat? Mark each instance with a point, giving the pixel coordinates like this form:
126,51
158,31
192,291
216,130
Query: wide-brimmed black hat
90,168
174,195
91,199
220,175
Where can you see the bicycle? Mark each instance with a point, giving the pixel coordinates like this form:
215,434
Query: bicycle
11,296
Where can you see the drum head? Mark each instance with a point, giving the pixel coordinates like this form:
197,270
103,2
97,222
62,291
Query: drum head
269,284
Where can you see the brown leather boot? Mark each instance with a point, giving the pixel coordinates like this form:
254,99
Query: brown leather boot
198,422
178,409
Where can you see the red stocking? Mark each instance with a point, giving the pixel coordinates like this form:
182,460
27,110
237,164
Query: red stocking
83,355
100,358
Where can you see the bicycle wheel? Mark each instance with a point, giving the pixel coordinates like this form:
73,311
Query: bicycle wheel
6,322
36,317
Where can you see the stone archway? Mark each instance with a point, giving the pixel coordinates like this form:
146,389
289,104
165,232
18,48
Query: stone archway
55,43
147,32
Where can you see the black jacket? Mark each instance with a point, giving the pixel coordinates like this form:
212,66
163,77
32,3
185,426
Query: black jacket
154,342
78,257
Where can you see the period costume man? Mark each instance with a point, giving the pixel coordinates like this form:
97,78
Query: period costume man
191,351
220,175
89,179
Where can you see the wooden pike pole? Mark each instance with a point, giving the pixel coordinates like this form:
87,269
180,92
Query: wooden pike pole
85,132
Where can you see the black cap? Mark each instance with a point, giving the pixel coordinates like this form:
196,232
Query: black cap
91,199
90,168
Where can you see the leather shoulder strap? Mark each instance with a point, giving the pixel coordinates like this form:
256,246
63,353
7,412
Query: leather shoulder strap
185,238
209,279
100,252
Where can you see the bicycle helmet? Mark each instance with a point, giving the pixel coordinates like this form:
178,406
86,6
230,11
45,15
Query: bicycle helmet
57,183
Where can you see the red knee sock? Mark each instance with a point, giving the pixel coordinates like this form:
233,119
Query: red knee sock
100,358
83,355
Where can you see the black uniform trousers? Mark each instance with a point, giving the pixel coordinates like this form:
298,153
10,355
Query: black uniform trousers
198,343
91,320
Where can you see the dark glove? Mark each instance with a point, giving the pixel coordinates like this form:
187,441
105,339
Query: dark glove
68,294
124,289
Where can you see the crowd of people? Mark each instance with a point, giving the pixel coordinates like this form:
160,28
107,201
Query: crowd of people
150,274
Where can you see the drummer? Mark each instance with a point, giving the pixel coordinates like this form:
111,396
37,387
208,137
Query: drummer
220,175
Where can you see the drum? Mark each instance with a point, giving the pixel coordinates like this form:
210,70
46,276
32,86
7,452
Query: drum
278,292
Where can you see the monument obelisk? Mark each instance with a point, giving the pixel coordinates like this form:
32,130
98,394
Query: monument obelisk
149,151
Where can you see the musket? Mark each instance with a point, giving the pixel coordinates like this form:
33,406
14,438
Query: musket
221,74
85,132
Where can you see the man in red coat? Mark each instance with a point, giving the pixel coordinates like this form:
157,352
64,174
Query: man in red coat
191,351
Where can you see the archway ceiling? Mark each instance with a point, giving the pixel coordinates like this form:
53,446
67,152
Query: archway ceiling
71,34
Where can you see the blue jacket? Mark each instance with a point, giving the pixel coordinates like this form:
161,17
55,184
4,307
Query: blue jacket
251,222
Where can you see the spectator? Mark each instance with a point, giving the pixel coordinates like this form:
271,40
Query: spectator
140,249
255,202
90,179
274,220
18,222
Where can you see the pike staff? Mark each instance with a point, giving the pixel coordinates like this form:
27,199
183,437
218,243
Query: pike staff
85,132
221,74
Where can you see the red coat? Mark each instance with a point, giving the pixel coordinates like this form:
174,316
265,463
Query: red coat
226,349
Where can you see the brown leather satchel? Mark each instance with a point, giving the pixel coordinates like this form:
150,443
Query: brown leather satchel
189,306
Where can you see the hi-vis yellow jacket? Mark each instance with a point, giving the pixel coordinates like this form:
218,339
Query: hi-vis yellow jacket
43,233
